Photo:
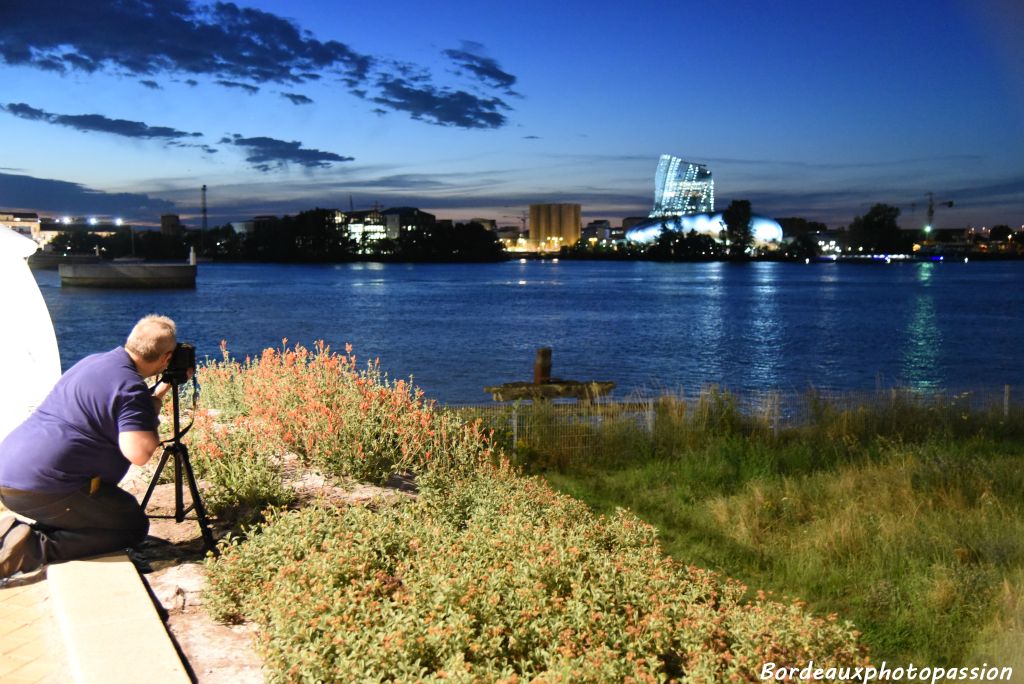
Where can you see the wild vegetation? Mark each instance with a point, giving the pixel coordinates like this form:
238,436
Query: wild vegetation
486,575
904,514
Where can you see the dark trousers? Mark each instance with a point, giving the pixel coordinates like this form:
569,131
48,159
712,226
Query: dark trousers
78,524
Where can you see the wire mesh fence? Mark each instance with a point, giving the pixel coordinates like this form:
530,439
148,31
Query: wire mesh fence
650,424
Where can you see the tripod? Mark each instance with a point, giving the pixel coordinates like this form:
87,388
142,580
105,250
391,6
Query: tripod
182,468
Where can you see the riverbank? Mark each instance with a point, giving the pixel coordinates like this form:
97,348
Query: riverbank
907,520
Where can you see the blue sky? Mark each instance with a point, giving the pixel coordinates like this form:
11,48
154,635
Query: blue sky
465,109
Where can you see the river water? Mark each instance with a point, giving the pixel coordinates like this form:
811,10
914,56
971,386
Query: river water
648,327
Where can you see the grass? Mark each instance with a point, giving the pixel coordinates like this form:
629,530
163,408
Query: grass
906,518
486,575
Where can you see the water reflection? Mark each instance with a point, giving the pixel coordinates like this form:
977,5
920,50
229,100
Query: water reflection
923,336
825,302
709,312
766,328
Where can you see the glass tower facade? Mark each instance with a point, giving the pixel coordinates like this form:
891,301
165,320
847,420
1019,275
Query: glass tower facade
682,188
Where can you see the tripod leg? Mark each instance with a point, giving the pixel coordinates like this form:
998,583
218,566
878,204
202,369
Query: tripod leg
197,503
156,478
179,499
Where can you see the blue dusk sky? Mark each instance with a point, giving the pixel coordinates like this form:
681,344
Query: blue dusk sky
478,108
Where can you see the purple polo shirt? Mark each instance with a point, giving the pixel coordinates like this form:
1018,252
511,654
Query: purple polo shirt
72,436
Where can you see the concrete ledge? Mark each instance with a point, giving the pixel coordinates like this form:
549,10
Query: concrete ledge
110,627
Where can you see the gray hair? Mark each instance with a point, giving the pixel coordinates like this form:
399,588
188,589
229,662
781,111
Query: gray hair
152,337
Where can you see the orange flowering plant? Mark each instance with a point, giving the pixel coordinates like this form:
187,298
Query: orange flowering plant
332,414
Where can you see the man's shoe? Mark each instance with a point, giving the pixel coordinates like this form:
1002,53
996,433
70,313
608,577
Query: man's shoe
12,550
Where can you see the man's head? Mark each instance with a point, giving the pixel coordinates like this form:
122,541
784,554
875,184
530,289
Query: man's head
151,344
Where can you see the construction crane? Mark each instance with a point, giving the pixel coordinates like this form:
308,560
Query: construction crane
931,211
522,217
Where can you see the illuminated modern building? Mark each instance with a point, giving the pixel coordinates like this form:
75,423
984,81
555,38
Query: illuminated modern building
765,231
553,226
364,227
682,188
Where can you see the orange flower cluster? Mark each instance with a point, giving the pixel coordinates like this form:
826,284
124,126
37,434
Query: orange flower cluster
338,417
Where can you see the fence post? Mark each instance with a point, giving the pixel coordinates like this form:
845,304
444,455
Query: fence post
650,417
515,427
1006,401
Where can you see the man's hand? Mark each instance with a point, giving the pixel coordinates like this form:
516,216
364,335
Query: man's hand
160,390
138,445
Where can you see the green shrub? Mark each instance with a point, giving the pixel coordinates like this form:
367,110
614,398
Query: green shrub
519,584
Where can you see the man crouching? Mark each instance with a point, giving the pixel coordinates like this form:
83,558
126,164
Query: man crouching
61,466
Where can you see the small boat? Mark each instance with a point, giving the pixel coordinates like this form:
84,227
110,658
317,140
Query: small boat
50,261
130,274
149,276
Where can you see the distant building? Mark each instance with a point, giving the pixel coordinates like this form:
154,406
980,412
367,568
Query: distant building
489,224
170,225
631,221
513,238
553,226
23,223
242,227
49,228
250,226
400,220
682,188
597,230
765,231
367,227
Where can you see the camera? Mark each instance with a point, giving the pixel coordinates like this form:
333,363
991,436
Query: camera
183,360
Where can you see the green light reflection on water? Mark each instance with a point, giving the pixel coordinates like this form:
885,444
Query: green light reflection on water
923,338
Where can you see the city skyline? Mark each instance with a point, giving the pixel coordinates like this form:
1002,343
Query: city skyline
127,109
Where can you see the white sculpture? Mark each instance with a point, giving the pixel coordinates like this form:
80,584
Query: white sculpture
29,360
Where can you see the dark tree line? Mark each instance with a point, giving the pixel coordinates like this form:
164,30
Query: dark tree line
308,237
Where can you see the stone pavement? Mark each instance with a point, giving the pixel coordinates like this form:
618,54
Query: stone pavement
84,621
31,651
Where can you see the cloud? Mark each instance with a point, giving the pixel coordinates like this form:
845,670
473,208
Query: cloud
205,148
62,197
152,85
251,89
96,122
531,137
266,153
484,68
441,106
297,99
242,48
146,37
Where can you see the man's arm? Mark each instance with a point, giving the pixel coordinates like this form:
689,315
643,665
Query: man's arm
159,391
138,445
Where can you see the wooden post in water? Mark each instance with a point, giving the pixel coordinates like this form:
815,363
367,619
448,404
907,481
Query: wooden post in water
542,366
544,387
